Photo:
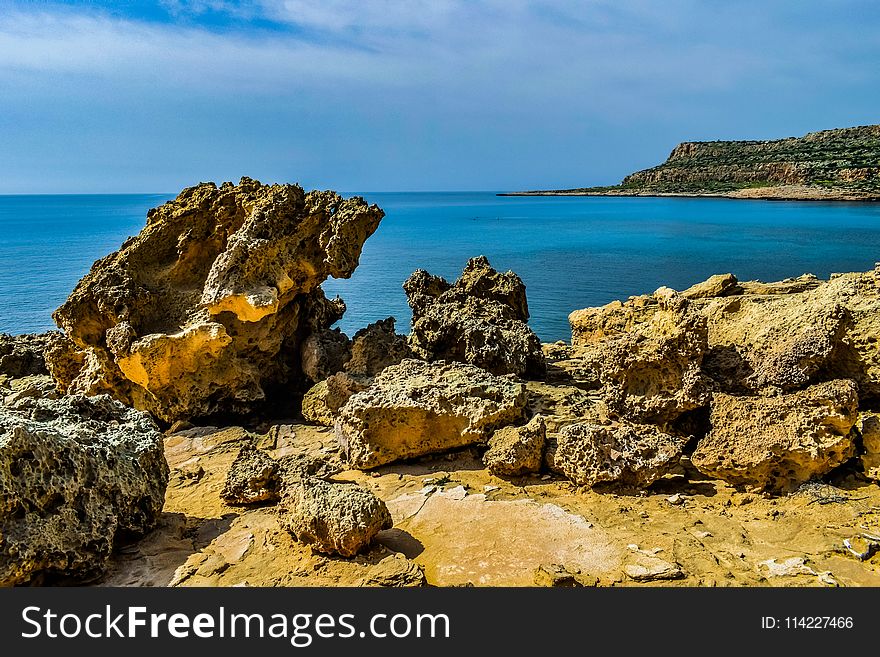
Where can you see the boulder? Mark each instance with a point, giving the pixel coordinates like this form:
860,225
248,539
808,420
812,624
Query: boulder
323,400
35,386
76,474
869,428
516,450
253,478
646,354
335,518
22,355
208,307
324,353
395,571
778,443
480,319
719,285
417,408
376,347
622,453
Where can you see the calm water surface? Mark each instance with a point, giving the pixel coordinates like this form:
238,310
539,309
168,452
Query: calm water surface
571,252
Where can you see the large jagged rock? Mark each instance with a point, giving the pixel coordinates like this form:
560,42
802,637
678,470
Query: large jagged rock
517,450
417,408
22,355
621,453
335,518
480,319
253,478
324,353
646,353
207,308
778,443
75,474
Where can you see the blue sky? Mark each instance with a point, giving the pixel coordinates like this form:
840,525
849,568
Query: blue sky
412,95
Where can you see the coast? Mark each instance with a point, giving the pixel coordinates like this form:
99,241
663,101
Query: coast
723,434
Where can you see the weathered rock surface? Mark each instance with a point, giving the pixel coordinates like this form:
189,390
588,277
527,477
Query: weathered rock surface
22,355
254,477
324,353
646,353
322,402
777,443
624,453
869,428
719,285
209,305
376,347
36,386
75,474
417,408
480,319
516,450
335,518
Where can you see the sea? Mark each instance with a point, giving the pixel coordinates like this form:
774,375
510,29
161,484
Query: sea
571,252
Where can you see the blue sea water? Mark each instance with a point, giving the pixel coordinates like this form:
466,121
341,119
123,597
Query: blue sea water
572,252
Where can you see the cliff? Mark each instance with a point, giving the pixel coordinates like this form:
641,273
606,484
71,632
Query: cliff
840,164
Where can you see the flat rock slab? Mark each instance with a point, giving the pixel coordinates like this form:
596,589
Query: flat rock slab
469,539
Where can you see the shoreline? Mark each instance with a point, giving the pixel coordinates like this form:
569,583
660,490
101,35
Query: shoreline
737,195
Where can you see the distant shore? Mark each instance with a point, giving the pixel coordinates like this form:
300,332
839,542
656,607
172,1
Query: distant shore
770,193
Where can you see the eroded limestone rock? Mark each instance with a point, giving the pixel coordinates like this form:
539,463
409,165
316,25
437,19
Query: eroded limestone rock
22,355
417,408
623,453
254,477
516,450
324,353
376,347
869,428
322,402
335,518
647,354
480,319
208,306
75,473
777,443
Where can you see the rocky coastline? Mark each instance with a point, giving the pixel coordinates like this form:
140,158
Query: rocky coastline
829,165
196,421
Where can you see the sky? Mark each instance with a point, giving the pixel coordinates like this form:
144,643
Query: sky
412,95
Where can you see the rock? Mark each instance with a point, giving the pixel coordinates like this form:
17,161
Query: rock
208,307
558,576
22,355
647,355
335,518
652,569
480,319
516,450
322,402
417,408
719,285
790,567
777,443
76,473
775,342
376,347
395,571
324,353
36,386
252,478
868,426
625,453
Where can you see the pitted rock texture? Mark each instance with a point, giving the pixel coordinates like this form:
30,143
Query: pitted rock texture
376,347
322,402
254,477
623,453
208,306
335,518
417,408
324,353
778,443
480,319
22,355
646,354
75,474
869,429
516,450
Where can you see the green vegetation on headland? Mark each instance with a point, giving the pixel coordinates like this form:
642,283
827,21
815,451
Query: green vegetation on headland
840,164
